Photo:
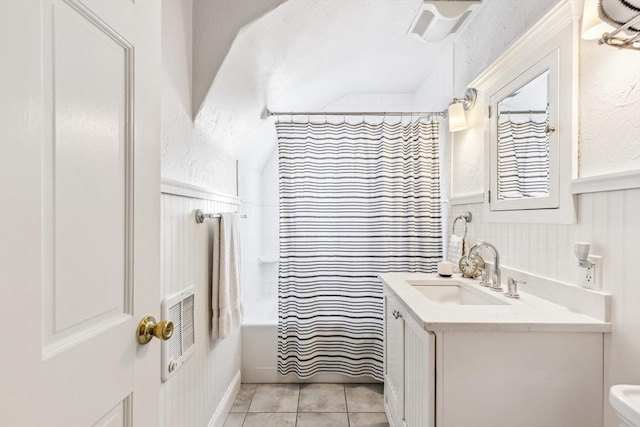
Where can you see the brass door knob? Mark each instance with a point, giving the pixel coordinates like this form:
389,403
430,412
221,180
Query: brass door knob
148,328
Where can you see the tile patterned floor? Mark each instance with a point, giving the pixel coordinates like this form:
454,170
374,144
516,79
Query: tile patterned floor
308,405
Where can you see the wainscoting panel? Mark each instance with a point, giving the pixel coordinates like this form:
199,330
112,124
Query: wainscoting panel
611,222
192,395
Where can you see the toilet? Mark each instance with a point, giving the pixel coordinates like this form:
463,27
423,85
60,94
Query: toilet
625,399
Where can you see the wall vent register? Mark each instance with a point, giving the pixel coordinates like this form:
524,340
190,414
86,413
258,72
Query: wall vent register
180,309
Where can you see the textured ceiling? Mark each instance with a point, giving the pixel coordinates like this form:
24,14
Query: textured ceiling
302,56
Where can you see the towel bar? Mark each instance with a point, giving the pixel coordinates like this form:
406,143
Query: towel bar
202,215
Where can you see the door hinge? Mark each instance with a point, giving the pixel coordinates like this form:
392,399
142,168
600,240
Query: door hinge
489,196
489,111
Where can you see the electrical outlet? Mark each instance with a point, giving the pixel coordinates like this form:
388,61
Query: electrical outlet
595,273
590,276
585,277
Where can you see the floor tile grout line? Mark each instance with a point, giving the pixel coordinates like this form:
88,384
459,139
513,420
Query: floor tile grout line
298,404
248,406
346,404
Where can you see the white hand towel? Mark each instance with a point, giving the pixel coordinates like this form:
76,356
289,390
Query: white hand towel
225,280
457,250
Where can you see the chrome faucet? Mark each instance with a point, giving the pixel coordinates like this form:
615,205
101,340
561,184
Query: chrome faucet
497,276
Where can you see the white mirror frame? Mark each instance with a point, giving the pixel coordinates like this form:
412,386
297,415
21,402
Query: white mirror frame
557,31
550,62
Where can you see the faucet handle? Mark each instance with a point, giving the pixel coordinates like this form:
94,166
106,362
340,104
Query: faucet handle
485,273
496,284
512,287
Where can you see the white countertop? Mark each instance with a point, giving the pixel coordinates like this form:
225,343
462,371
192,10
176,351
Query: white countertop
528,314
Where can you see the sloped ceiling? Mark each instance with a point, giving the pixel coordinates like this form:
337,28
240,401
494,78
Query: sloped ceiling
215,25
303,55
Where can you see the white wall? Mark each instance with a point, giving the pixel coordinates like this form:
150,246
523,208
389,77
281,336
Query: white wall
186,155
192,395
251,226
270,227
609,110
194,392
609,138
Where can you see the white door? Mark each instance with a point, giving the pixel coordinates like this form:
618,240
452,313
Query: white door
79,199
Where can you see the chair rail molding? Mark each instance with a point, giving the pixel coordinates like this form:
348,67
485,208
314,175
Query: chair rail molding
466,199
178,188
607,182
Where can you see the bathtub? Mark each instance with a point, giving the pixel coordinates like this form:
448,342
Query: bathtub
260,348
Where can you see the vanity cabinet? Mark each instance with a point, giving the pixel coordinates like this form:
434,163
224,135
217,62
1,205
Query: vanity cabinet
468,376
409,378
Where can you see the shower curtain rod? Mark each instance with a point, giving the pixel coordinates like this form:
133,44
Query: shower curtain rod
524,112
358,113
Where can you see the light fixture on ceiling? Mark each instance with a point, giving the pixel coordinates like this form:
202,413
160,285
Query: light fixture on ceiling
435,20
456,112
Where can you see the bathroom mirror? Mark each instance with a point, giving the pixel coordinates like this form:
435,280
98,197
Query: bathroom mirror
530,130
522,141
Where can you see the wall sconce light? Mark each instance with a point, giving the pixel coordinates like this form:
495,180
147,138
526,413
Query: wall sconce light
456,112
592,26
621,29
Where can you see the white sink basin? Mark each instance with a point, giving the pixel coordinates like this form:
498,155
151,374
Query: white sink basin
625,399
448,292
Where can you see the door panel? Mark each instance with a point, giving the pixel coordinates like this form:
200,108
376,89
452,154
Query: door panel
119,416
79,254
87,159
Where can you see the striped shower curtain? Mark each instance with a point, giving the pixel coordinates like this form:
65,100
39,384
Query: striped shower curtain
523,159
355,200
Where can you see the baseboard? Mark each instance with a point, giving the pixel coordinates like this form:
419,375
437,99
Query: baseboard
390,414
220,416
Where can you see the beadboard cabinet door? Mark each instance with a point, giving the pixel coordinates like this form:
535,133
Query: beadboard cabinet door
409,377
394,360
420,375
